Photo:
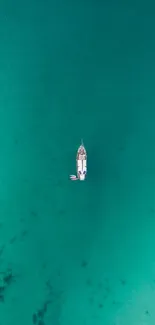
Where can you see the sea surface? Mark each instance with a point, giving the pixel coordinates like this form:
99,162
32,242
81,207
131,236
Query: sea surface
77,253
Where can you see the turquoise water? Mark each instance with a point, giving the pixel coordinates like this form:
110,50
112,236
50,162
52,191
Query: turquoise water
79,253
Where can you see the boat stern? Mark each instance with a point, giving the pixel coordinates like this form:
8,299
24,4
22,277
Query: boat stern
82,175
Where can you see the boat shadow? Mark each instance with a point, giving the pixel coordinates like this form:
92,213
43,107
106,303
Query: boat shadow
96,165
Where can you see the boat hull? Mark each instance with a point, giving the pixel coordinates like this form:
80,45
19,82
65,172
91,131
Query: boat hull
81,164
